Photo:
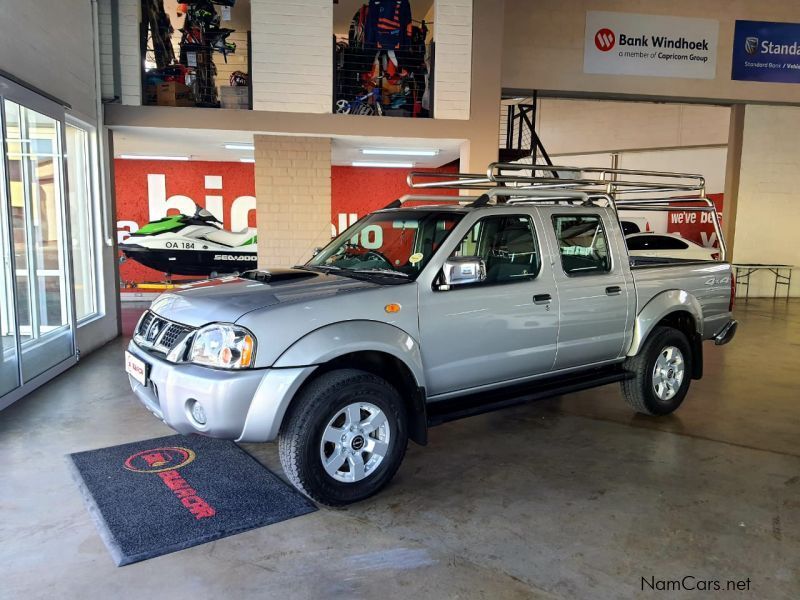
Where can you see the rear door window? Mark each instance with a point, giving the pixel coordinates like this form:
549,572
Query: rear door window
582,244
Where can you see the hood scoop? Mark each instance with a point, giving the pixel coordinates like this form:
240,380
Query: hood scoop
277,275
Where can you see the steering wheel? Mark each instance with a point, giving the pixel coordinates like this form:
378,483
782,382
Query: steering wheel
374,253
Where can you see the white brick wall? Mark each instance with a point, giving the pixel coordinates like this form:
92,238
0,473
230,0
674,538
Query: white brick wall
106,37
292,66
453,61
130,60
293,191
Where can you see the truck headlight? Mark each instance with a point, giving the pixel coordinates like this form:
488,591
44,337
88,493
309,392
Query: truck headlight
223,346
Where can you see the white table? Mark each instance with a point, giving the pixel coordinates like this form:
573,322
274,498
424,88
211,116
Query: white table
782,273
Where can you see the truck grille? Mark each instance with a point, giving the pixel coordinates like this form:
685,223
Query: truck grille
159,333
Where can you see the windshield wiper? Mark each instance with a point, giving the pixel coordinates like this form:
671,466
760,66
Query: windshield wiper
391,272
320,267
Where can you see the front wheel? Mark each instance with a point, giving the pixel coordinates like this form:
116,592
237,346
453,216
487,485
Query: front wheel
344,438
661,373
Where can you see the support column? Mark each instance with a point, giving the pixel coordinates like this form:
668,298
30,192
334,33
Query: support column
130,56
487,54
293,198
454,51
733,165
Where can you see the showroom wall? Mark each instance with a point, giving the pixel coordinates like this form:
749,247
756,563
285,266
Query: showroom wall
61,65
292,67
64,66
571,126
768,211
543,48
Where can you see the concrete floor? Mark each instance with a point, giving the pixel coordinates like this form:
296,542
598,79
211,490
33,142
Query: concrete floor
570,498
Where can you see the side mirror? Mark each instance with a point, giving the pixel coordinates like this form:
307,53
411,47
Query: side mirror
462,270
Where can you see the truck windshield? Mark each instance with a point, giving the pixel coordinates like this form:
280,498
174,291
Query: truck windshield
396,244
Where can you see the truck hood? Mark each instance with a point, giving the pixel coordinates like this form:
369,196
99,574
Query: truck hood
227,299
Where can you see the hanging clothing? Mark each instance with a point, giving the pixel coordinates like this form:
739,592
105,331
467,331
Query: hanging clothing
388,24
357,28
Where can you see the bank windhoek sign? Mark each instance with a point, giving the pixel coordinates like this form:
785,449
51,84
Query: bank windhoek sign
650,45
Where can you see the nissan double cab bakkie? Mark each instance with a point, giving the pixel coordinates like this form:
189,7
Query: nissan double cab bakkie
419,315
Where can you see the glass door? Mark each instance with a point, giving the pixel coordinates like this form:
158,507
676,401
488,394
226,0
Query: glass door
35,252
9,356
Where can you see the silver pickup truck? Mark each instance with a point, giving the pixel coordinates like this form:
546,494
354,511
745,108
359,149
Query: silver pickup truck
419,315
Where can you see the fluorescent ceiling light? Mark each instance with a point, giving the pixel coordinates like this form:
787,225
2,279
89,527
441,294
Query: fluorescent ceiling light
239,146
152,157
249,160
369,163
399,152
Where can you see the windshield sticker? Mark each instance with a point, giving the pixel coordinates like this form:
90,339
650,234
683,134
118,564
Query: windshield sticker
415,258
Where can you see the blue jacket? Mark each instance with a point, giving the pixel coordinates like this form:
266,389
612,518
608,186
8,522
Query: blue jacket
388,24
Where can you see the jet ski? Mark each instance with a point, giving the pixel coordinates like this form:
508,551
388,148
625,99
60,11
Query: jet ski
192,245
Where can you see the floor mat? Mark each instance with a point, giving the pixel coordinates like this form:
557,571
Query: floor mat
157,496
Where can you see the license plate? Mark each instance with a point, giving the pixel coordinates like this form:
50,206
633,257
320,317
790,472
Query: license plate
136,368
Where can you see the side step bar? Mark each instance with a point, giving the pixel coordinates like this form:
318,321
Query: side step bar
477,404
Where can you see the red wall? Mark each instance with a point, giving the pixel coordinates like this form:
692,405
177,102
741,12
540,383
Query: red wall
361,190
355,191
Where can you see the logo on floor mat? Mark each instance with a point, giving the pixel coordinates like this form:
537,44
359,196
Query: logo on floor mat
165,463
159,459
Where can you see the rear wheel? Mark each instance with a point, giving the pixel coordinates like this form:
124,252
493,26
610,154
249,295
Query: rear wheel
344,438
661,373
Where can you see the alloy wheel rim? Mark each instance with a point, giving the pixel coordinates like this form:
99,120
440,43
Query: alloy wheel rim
355,442
668,373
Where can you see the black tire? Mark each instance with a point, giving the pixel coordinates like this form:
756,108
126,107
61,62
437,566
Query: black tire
301,435
639,391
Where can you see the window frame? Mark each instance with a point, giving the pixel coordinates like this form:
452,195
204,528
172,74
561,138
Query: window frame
482,284
611,265
95,215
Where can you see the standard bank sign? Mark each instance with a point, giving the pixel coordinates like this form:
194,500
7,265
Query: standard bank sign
651,45
766,52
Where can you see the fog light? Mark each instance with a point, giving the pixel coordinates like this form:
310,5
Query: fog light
198,414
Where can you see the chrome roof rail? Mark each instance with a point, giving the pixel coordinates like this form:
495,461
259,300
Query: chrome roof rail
620,189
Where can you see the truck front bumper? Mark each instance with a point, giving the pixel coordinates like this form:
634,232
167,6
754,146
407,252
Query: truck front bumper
245,405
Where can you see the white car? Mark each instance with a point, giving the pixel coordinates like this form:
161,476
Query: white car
667,245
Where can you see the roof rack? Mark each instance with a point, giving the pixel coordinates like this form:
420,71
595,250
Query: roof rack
621,189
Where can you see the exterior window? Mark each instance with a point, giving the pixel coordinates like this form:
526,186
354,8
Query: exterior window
507,244
655,242
81,213
582,244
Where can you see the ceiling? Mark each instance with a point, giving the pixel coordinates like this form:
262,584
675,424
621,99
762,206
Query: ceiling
208,144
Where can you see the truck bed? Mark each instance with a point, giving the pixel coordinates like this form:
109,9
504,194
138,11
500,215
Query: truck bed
708,281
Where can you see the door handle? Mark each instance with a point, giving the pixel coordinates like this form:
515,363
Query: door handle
613,290
542,299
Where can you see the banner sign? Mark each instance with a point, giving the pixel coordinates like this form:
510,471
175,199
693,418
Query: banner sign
650,45
766,52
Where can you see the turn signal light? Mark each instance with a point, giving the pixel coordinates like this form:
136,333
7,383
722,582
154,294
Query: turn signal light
247,351
392,308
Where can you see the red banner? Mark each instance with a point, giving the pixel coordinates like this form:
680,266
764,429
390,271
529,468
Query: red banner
697,227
